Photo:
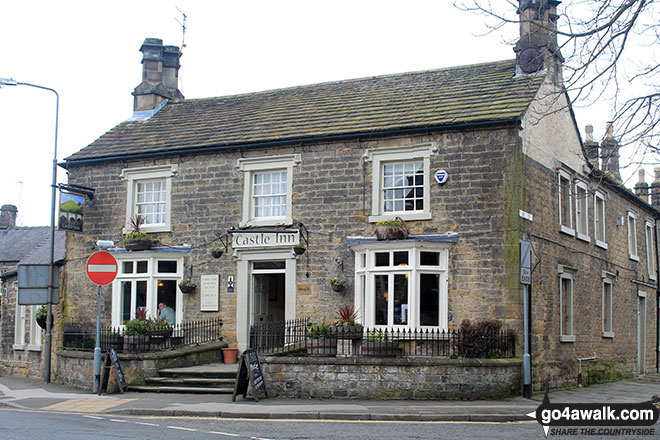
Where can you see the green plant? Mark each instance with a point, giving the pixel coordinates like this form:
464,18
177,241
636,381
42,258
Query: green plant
347,315
187,283
299,246
160,324
482,339
338,282
320,331
377,336
392,223
494,353
42,313
136,327
137,221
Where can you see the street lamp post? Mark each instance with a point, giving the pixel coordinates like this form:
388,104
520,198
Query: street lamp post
51,263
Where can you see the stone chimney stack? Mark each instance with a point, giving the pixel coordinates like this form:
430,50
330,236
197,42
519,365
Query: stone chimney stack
537,47
160,75
8,216
609,150
655,189
590,146
642,188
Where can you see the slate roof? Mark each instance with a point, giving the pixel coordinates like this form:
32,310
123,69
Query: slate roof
480,93
29,245
17,243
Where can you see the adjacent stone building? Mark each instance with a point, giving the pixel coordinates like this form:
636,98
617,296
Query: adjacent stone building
21,339
473,158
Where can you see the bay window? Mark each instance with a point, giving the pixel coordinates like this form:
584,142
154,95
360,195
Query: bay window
401,285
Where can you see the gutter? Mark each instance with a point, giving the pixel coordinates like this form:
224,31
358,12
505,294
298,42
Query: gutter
199,149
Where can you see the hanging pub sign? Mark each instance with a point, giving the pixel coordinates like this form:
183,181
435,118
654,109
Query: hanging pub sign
71,211
264,239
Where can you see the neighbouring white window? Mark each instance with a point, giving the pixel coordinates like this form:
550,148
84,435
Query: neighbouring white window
566,282
19,322
35,330
599,220
401,182
146,281
607,298
267,189
650,249
565,203
581,211
632,236
402,286
148,195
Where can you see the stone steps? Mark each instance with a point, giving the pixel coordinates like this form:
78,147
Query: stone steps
200,379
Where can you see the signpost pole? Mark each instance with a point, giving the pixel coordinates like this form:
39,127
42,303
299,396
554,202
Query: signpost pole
101,270
526,280
97,348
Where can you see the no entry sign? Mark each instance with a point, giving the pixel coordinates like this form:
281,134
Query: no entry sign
101,268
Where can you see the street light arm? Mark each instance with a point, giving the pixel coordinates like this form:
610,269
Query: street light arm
51,265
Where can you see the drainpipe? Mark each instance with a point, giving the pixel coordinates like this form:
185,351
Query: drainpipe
580,366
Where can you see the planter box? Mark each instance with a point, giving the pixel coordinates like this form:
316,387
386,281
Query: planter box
139,244
348,331
321,347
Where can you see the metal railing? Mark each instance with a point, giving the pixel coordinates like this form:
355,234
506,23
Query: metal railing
293,336
187,333
279,337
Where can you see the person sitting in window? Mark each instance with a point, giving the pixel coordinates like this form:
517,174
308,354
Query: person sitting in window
167,313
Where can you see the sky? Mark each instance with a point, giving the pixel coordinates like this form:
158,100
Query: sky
89,52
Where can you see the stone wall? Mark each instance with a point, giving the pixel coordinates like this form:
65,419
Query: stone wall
398,378
76,368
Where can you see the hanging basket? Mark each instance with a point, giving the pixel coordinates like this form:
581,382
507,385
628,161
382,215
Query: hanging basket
41,321
392,230
187,289
216,253
299,250
338,287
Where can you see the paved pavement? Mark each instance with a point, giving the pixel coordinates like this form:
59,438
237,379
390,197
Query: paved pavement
34,394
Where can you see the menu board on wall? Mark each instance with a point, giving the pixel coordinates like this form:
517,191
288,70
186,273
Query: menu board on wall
209,296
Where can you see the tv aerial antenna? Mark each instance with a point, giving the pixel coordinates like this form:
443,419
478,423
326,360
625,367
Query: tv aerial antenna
183,25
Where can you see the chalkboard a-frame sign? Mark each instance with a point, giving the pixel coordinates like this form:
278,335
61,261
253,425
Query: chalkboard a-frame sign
112,361
249,372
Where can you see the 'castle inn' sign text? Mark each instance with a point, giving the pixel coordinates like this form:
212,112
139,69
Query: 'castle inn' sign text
261,239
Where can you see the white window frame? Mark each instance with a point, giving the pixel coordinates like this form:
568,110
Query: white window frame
566,335
569,228
364,299
378,157
19,322
151,277
251,165
608,280
582,204
133,176
650,249
35,330
633,253
599,215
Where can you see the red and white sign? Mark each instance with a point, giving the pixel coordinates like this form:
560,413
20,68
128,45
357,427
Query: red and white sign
101,268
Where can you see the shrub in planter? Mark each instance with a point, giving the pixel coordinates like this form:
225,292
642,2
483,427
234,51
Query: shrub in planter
321,340
136,334
136,240
481,339
392,229
346,327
